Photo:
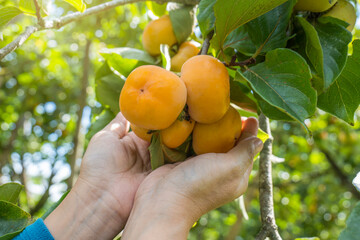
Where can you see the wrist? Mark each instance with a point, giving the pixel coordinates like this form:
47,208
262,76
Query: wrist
157,218
85,213
145,223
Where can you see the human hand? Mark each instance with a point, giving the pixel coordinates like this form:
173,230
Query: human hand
114,165
173,197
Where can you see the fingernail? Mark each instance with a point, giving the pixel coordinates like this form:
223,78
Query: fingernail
258,144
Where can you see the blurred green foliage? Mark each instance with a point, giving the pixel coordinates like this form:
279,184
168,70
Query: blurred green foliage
40,84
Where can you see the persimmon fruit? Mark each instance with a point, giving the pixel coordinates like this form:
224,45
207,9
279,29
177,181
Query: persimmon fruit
345,11
152,97
208,88
157,32
218,137
186,51
177,133
314,5
144,134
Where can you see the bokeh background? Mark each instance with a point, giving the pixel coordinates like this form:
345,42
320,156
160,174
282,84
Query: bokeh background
48,105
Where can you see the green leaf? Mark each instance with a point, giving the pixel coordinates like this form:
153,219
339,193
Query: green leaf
308,238
12,220
182,20
125,60
206,16
178,154
55,205
352,230
10,192
156,153
165,56
326,47
27,6
100,122
240,98
312,46
108,87
8,13
244,113
334,40
231,14
173,155
283,81
343,97
239,39
186,146
158,9
78,4
268,31
272,112
11,235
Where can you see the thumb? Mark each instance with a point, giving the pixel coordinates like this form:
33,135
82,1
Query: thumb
245,151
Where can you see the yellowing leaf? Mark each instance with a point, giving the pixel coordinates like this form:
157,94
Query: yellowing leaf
78,4
8,13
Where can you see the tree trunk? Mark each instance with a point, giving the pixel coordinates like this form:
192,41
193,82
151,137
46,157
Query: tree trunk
5,156
82,104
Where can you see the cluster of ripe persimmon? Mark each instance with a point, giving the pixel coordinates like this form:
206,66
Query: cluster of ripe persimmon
155,100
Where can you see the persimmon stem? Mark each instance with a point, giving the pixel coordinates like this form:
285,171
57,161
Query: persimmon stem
240,64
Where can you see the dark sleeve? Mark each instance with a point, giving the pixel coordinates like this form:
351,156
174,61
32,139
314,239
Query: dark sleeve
37,230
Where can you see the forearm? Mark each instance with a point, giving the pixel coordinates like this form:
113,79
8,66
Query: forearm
85,214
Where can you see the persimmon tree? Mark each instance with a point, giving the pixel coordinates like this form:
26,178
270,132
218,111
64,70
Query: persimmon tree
284,63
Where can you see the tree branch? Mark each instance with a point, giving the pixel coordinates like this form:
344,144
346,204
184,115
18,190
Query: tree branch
5,155
62,21
46,194
342,176
82,104
205,47
269,227
38,13
18,41
23,180
241,64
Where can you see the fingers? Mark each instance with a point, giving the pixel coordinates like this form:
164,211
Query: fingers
119,125
137,139
244,152
142,148
249,128
248,145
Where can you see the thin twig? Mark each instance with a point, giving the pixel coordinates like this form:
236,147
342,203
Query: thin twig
45,195
269,227
18,41
38,13
205,47
246,62
62,21
339,172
